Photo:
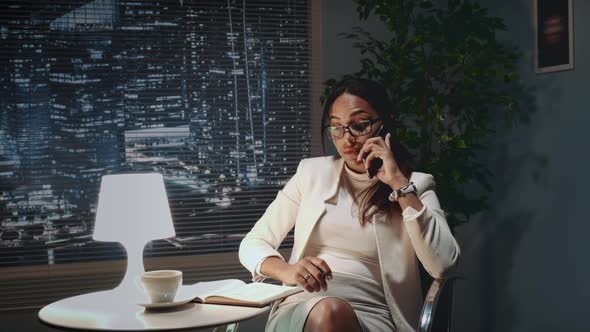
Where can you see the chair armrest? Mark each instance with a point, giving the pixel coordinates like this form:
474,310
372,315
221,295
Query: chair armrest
431,300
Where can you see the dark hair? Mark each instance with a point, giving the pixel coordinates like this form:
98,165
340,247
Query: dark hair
376,95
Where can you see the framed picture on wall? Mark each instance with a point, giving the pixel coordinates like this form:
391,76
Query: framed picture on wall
554,35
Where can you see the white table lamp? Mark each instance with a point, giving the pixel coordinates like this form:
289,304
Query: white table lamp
133,209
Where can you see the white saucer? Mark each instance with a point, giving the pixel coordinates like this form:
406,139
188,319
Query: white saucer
165,304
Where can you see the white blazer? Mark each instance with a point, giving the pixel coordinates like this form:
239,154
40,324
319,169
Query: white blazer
401,242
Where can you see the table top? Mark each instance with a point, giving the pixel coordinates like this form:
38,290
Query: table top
107,311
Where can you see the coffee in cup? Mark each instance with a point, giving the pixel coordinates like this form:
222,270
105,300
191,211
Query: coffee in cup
161,285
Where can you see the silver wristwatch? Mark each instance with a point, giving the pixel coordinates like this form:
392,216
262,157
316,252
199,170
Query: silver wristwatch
407,189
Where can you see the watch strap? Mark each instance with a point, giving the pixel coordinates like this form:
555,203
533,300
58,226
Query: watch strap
402,191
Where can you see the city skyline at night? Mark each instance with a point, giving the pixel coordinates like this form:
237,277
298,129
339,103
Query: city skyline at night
215,96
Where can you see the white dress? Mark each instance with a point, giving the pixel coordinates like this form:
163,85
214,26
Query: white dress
351,252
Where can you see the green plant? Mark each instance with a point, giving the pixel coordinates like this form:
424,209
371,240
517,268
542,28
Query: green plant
449,79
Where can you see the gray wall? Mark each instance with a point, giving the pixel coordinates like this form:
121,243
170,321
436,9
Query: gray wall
525,258
339,57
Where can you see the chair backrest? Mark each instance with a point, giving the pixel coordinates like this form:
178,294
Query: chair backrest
437,309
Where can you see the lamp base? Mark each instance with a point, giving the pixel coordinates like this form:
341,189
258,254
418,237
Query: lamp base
131,287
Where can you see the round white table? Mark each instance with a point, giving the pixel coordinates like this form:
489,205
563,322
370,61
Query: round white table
105,311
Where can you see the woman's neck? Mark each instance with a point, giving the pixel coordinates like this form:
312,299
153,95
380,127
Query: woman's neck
356,167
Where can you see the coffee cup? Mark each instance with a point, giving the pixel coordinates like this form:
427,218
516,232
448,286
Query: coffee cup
161,285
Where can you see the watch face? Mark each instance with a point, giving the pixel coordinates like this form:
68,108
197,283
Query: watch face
393,197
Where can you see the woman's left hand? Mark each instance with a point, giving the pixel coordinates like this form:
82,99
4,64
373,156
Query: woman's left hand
389,173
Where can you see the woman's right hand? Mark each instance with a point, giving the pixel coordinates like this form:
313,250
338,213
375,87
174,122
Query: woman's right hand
311,273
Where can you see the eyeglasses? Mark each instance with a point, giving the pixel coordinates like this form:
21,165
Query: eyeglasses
356,129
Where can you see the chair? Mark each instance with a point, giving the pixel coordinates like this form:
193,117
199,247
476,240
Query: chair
436,313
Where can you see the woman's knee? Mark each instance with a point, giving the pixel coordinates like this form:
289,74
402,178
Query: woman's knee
332,314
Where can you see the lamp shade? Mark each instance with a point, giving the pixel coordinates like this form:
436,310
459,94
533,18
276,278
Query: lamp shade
133,209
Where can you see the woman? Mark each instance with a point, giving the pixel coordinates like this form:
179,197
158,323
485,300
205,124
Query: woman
357,240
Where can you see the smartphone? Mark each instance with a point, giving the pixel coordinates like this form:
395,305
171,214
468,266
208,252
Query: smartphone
376,163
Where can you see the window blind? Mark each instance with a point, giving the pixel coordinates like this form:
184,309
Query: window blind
215,95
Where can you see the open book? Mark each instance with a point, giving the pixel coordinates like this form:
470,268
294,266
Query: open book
235,292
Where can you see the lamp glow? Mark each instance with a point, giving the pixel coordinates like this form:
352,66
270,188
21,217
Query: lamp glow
133,209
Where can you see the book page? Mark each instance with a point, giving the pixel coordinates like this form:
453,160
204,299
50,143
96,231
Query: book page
201,290
257,292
